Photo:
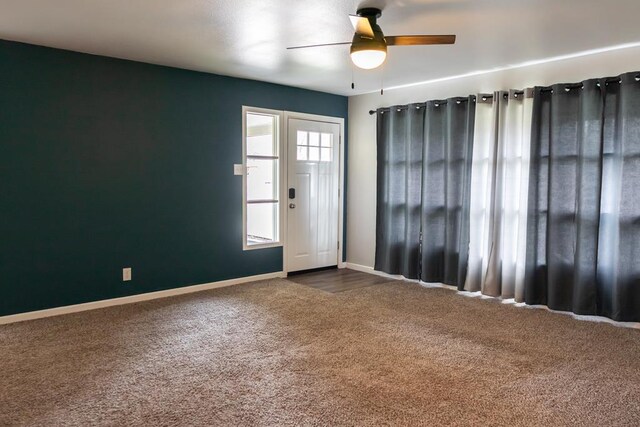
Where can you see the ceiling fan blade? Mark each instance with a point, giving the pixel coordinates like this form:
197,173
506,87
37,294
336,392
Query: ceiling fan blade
318,45
419,40
361,25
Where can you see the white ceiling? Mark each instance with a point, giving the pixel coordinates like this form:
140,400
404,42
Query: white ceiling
247,38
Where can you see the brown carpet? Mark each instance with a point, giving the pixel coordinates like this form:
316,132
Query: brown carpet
279,353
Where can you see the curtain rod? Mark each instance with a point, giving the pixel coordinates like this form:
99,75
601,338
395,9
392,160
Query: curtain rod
568,87
419,105
528,93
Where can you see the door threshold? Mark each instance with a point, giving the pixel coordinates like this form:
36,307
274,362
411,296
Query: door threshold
312,270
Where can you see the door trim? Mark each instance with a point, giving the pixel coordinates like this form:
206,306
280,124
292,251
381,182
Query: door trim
314,118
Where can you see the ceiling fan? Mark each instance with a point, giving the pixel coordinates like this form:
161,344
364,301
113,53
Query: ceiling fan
369,44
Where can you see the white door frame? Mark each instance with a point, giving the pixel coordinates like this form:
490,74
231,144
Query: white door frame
285,188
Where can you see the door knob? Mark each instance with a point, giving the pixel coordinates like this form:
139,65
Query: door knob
292,206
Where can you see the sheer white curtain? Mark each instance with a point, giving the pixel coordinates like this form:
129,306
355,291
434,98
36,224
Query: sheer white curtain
499,190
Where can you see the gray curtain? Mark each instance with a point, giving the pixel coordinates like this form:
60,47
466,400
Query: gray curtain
583,236
400,132
424,173
446,180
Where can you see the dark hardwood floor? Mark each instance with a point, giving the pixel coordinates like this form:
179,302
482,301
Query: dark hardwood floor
337,280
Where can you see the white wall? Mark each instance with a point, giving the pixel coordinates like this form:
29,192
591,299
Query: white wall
361,220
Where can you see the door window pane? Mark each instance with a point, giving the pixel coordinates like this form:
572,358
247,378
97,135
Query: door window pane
302,153
325,154
314,139
314,154
302,138
302,141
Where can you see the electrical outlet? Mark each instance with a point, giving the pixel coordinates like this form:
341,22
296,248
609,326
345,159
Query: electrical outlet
126,274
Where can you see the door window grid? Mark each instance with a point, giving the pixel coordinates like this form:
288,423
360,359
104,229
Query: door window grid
314,146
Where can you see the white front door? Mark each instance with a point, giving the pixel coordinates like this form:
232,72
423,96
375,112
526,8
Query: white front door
312,194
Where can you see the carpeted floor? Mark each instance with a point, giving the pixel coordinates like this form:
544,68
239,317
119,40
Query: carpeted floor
280,353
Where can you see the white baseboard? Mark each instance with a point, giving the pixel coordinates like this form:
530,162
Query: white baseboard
76,308
370,270
359,267
31,315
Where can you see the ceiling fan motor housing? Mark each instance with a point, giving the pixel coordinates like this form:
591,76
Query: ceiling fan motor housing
361,42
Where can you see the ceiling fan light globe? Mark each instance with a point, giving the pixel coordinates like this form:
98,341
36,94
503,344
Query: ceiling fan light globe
368,59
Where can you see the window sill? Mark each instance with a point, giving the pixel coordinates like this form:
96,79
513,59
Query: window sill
246,247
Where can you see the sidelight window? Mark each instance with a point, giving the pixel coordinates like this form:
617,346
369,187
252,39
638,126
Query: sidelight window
262,177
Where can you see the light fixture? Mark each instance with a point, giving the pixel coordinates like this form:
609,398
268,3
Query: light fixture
369,52
369,45
368,59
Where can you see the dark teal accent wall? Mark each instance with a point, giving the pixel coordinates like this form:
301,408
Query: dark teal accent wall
106,163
